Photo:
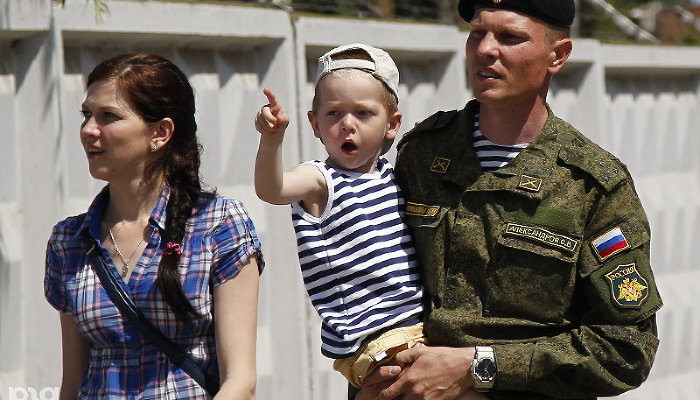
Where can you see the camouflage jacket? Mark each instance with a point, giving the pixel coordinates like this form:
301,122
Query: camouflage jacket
545,259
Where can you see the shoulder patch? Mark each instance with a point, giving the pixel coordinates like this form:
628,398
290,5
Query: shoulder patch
599,164
609,244
629,288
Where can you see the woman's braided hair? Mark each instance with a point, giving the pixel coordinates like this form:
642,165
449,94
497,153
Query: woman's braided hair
156,88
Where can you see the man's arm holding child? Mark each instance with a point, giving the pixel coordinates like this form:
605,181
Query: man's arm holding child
436,373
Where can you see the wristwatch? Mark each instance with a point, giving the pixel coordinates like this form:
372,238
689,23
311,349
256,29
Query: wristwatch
484,369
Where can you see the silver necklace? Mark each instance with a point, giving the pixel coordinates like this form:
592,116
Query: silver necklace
125,261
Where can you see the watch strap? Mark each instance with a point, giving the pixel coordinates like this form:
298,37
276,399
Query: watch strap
484,369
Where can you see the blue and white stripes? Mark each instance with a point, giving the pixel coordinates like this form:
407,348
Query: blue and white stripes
357,259
493,156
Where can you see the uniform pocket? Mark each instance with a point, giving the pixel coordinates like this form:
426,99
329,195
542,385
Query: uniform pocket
532,274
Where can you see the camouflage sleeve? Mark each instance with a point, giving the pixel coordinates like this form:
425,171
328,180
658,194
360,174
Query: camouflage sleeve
611,348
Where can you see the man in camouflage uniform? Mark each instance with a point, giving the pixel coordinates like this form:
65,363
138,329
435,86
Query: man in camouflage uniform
542,263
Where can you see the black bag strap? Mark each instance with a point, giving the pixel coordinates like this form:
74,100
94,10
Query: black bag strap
153,334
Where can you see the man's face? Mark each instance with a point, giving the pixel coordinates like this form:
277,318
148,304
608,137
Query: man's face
508,57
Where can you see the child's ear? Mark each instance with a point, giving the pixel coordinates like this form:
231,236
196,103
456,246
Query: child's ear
393,125
314,123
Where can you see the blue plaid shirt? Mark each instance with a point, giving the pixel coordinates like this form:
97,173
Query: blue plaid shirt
220,238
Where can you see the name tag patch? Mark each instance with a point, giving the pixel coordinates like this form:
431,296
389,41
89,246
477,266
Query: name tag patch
421,210
628,287
543,236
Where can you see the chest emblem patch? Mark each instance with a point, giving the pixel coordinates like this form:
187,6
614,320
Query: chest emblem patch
543,236
629,288
529,183
440,165
609,243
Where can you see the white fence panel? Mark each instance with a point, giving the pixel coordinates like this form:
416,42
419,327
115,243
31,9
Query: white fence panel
641,103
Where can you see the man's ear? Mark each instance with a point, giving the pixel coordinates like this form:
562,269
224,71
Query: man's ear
561,49
393,125
162,133
314,123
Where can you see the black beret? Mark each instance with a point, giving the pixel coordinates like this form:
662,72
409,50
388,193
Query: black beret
556,12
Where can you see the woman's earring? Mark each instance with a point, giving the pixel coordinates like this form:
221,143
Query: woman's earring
154,149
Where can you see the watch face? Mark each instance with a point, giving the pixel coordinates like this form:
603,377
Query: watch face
486,370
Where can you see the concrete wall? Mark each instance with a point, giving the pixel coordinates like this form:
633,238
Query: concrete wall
640,102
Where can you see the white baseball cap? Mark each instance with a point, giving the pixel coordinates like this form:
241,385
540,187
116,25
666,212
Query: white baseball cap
381,67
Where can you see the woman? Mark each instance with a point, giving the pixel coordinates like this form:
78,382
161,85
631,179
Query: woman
181,253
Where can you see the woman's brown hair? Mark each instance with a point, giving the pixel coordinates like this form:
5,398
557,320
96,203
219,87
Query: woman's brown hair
156,88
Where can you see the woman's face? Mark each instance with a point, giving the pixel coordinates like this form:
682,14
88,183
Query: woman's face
117,141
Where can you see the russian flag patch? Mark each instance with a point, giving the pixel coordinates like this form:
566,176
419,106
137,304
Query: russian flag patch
609,243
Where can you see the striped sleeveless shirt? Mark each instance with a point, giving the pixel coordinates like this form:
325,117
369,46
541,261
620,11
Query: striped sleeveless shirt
357,259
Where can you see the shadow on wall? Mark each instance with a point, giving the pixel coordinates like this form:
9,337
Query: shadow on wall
10,329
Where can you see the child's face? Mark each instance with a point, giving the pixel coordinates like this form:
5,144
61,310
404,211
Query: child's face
352,119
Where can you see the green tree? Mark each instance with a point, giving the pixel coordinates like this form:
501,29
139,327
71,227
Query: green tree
101,8
594,23
361,8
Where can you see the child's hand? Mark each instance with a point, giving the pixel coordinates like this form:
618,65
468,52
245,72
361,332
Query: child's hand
271,119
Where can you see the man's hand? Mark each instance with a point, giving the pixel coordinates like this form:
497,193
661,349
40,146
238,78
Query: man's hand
432,373
271,119
379,379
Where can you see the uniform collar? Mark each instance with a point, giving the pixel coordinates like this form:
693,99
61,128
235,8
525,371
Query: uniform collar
460,149
526,175
539,156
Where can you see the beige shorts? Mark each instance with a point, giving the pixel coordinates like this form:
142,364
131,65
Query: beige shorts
378,351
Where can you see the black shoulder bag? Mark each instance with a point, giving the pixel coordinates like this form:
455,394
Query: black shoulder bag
136,317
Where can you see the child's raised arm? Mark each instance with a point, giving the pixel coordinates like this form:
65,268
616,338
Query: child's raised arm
273,185
271,120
